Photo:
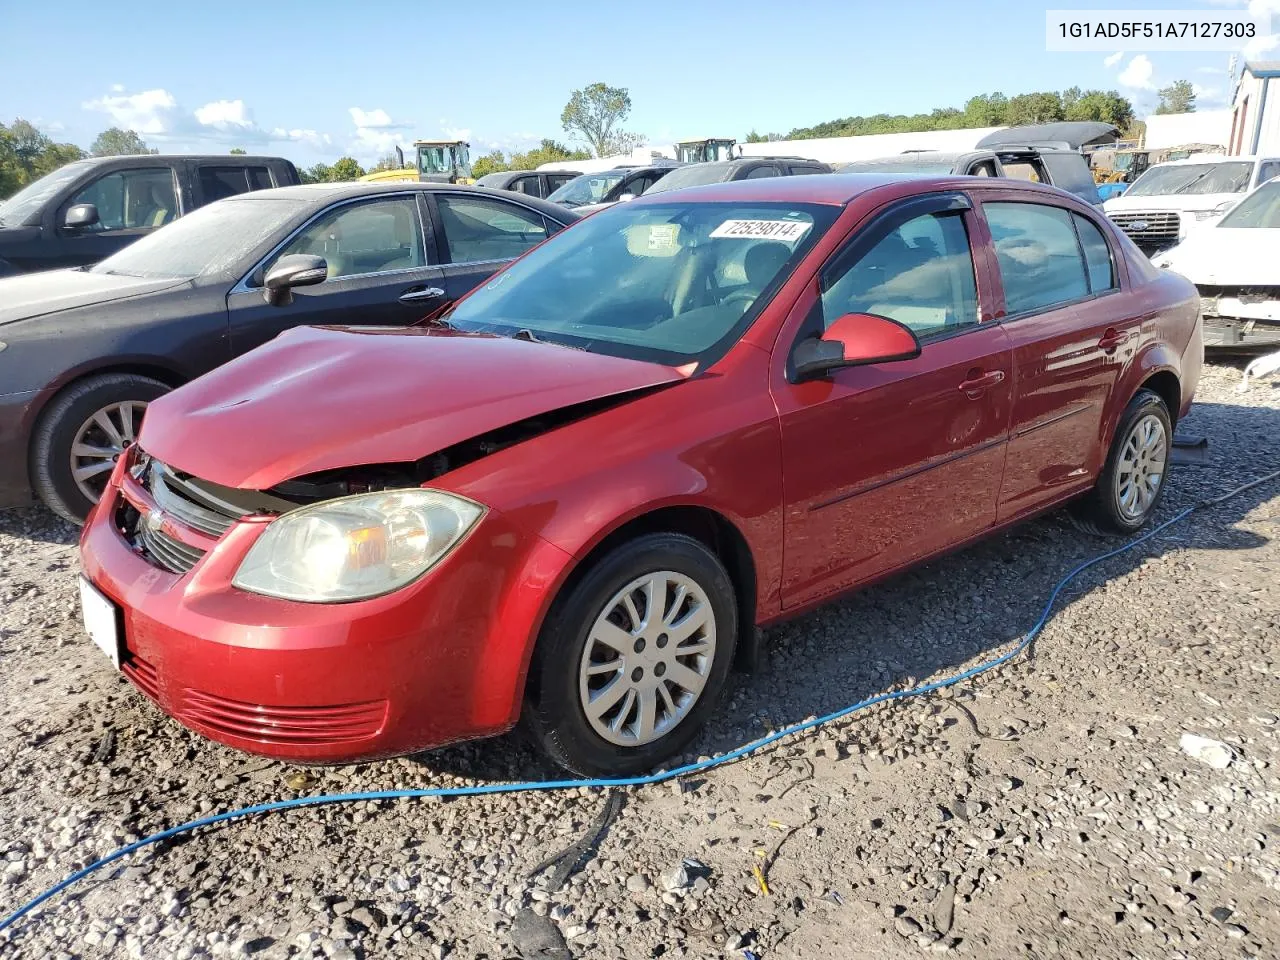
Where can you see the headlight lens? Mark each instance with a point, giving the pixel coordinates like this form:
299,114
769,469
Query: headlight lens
356,547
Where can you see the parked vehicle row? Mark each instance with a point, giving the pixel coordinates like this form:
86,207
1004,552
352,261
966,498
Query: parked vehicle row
90,209
355,542
83,352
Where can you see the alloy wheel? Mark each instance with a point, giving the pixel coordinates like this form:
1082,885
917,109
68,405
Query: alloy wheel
99,443
1142,466
647,658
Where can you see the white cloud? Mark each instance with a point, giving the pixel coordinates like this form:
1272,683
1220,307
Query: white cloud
1138,73
376,134
1112,60
1259,46
157,116
117,88
225,114
150,113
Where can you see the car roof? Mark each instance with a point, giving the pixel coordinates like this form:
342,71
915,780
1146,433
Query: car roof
322,193
919,156
506,176
1199,158
836,189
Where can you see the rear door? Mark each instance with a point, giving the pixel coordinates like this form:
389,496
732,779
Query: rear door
1071,339
887,463
131,202
475,235
382,271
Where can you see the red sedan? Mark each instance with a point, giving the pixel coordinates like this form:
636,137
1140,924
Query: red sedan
575,496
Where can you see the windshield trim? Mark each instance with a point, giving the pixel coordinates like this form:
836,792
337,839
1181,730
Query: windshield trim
824,216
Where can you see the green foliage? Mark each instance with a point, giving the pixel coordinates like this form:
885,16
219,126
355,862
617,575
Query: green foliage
114,142
388,162
1177,97
594,113
27,154
549,151
985,110
238,151
493,162
342,169
754,137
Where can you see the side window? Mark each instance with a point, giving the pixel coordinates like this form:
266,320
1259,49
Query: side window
1039,257
766,170
525,185
920,273
559,180
259,178
219,182
1097,256
131,199
1024,170
638,186
984,169
1269,170
360,238
477,229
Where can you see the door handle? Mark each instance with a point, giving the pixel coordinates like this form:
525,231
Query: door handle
978,382
1111,339
426,293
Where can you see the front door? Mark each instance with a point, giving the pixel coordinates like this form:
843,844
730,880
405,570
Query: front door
379,273
886,463
130,204
1058,276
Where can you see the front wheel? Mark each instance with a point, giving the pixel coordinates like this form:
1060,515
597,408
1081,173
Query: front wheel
82,433
1133,478
633,658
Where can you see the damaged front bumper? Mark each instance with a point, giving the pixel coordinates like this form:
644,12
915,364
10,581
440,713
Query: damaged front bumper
441,660
1240,317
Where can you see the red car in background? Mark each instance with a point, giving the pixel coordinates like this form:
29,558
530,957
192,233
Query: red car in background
575,496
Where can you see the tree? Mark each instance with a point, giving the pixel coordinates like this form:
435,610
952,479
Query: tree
238,151
317,173
114,142
27,153
492,162
388,162
549,151
1177,97
346,168
754,137
1035,108
594,113
1105,106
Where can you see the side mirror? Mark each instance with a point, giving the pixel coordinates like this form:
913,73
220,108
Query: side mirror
854,340
295,270
80,215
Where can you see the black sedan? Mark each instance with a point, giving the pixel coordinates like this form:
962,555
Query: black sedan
83,351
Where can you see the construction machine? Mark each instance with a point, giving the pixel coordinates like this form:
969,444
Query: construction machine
435,161
706,149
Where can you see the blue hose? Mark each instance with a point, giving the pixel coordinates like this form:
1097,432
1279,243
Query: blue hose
659,777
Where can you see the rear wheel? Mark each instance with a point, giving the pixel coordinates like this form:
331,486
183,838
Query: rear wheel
82,433
633,658
1133,479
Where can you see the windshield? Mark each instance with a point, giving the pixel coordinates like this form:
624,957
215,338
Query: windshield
1260,209
1192,179
24,206
206,242
692,176
588,188
670,282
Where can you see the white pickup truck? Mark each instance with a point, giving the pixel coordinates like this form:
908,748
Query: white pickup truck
1171,200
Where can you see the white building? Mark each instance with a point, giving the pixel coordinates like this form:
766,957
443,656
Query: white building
1255,111
1178,129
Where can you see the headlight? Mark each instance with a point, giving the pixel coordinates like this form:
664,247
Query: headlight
356,547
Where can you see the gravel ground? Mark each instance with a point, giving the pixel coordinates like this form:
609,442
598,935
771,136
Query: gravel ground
1046,809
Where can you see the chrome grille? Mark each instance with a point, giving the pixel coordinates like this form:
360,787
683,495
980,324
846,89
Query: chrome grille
180,501
1157,228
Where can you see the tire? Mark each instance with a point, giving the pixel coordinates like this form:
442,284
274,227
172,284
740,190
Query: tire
560,684
1116,505
67,415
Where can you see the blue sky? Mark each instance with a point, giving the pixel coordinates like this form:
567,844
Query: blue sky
314,80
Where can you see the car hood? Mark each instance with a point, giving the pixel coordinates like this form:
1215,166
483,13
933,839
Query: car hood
30,295
321,398
1226,257
1169,201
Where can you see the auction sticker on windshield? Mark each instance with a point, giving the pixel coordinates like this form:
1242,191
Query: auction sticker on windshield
787,230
